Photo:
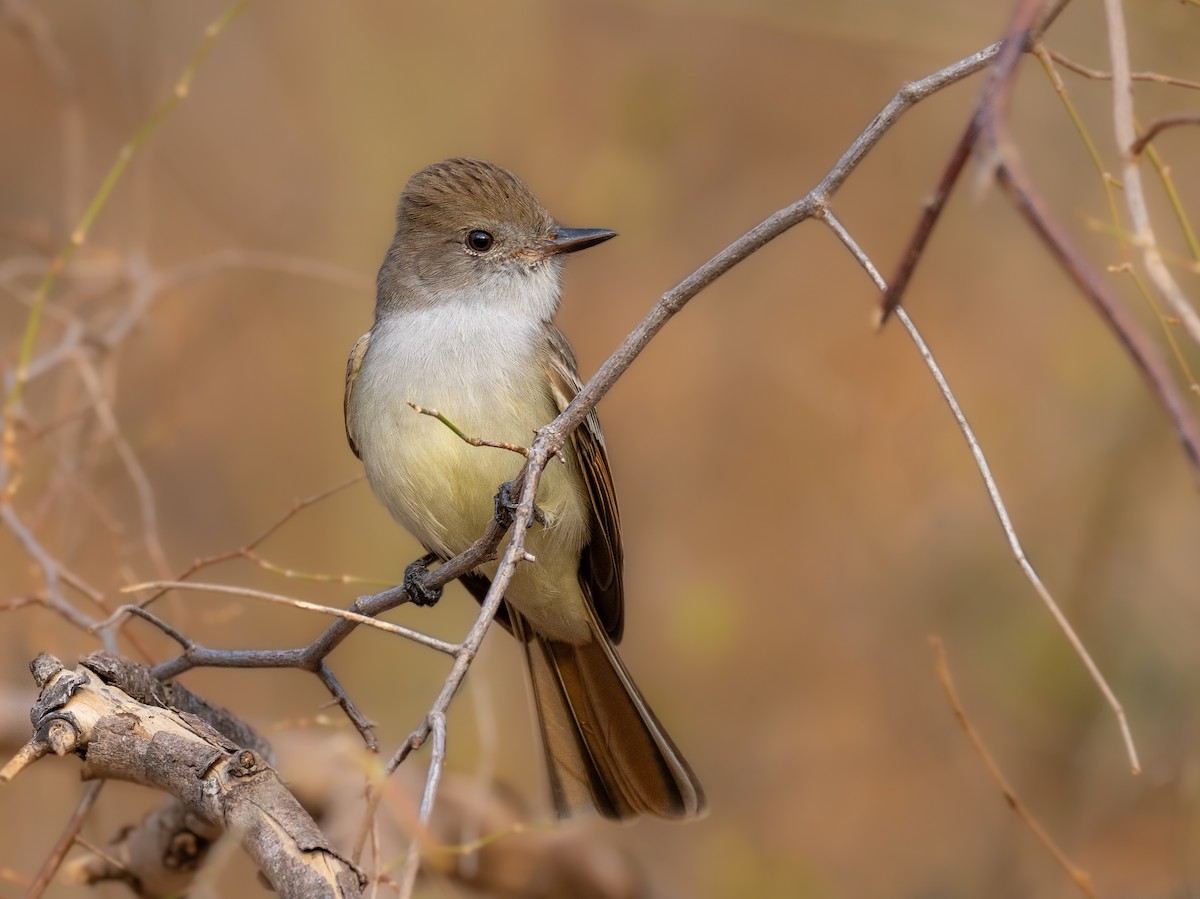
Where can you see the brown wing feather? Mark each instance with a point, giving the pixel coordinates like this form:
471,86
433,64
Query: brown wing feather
353,364
601,560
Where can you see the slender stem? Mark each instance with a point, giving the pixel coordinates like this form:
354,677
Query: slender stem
1131,174
84,226
65,841
993,492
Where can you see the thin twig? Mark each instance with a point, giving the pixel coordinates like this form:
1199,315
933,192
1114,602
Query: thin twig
114,863
80,234
933,208
472,441
1080,877
1110,184
65,840
49,566
1131,175
552,437
1159,125
990,123
993,492
1016,183
29,20
1099,75
1011,176
263,596
247,551
1008,52
1176,202
477,441
412,859
147,503
261,260
770,228
315,576
540,453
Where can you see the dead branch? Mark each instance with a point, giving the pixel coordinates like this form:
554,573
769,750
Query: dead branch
156,858
217,781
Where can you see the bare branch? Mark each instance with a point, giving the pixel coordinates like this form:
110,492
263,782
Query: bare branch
988,126
49,566
1079,876
147,503
263,596
993,492
66,839
1159,125
756,238
1099,75
29,21
994,97
1016,183
470,441
1131,175
161,853
217,781
247,550
8,452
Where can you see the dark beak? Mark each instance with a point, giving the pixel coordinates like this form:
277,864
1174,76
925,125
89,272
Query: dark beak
568,240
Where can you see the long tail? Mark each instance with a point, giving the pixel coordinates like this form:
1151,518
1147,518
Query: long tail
604,747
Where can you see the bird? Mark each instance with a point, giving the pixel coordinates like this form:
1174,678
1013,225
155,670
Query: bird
464,323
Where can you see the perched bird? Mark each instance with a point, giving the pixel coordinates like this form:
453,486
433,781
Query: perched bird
464,324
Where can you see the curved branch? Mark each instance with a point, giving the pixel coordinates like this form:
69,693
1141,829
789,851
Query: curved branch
216,780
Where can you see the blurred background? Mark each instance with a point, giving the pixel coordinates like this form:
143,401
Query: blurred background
800,511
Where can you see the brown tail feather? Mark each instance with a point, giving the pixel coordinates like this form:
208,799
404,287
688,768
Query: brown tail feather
604,746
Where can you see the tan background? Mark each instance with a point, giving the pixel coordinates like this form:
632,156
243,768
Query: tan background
800,511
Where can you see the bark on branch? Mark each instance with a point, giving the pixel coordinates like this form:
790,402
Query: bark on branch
216,781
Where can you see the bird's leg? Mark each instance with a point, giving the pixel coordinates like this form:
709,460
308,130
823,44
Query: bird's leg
414,582
506,508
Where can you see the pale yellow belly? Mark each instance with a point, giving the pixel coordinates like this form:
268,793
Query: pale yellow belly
442,490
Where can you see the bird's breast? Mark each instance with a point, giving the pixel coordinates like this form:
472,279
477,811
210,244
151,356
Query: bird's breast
485,373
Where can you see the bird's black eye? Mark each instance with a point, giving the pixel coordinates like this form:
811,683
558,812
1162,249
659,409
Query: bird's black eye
480,241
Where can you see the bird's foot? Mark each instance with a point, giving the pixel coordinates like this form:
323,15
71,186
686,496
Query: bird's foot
506,508
414,582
